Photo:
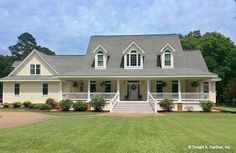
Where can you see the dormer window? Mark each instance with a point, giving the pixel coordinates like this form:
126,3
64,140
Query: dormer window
167,59
133,57
100,59
35,69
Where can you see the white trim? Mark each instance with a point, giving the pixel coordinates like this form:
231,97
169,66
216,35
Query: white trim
171,66
167,45
133,43
133,67
88,91
179,90
34,51
60,91
28,80
98,47
3,95
135,76
118,88
104,61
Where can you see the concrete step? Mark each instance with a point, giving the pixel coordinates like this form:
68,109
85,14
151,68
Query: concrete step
129,106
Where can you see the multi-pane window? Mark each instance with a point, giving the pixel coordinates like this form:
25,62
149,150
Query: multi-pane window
107,86
159,86
206,87
175,86
35,68
17,89
167,58
100,59
133,59
45,89
92,86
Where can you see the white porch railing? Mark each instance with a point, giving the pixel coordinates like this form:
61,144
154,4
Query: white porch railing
75,95
160,96
84,95
195,96
152,102
113,101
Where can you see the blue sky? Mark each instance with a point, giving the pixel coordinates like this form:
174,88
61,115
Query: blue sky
65,26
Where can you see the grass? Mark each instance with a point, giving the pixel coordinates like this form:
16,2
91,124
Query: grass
229,108
91,132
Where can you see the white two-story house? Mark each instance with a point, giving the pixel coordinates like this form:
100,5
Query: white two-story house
132,72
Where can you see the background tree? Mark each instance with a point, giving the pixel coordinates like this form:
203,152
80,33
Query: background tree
25,45
218,51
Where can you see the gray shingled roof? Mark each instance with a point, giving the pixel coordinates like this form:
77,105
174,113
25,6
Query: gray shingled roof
185,62
16,63
30,77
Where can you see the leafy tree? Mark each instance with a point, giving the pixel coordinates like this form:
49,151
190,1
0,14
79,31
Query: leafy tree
218,51
230,92
25,45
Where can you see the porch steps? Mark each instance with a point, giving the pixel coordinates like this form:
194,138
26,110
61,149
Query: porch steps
132,106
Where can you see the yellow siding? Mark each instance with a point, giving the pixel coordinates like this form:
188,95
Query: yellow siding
35,59
31,91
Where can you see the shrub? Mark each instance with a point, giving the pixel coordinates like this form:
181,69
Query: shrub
5,105
166,104
27,104
65,105
98,104
80,106
206,105
51,102
45,107
16,104
35,106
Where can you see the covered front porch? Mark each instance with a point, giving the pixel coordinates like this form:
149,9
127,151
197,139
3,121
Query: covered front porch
138,89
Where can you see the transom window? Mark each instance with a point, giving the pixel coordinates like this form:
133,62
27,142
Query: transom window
167,58
35,69
133,59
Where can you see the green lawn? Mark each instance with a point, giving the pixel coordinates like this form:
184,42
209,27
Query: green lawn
229,108
91,132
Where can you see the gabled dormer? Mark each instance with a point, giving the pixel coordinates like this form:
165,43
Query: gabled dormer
133,56
167,57
100,57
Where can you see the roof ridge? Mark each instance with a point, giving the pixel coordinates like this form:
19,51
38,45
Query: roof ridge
173,34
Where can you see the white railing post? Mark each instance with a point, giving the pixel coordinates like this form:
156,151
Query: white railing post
148,89
88,91
110,106
155,105
118,89
179,90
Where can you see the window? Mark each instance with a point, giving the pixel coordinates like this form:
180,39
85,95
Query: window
100,60
206,87
107,86
133,59
35,69
167,58
17,89
159,86
81,87
175,86
92,86
45,89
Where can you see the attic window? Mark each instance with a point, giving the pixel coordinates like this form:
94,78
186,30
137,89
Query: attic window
167,59
100,60
35,69
133,60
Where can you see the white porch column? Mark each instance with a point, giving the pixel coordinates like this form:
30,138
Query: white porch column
118,88
148,89
60,91
88,91
179,90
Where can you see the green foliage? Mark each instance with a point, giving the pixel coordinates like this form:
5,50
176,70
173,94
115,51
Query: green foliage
27,104
25,45
218,51
6,105
65,105
97,104
206,105
16,104
195,84
52,102
45,107
35,106
166,104
80,106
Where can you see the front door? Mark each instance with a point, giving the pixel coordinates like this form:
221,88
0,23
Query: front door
133,91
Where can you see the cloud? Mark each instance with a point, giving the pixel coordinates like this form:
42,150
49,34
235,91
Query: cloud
65,26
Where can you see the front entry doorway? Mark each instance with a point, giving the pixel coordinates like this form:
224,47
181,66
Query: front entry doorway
133,88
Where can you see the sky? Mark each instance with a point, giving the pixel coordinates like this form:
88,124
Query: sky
65,26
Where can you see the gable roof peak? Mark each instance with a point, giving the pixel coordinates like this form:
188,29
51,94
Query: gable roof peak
131,44
167,45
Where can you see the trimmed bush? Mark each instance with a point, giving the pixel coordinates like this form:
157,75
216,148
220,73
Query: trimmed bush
35,106
80,106
52,102
6,105
27,104
45,107
98,104
16,104
166,104
65,105
206,105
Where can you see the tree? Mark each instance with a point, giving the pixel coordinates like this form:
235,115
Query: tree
218,51
25,45
230,92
